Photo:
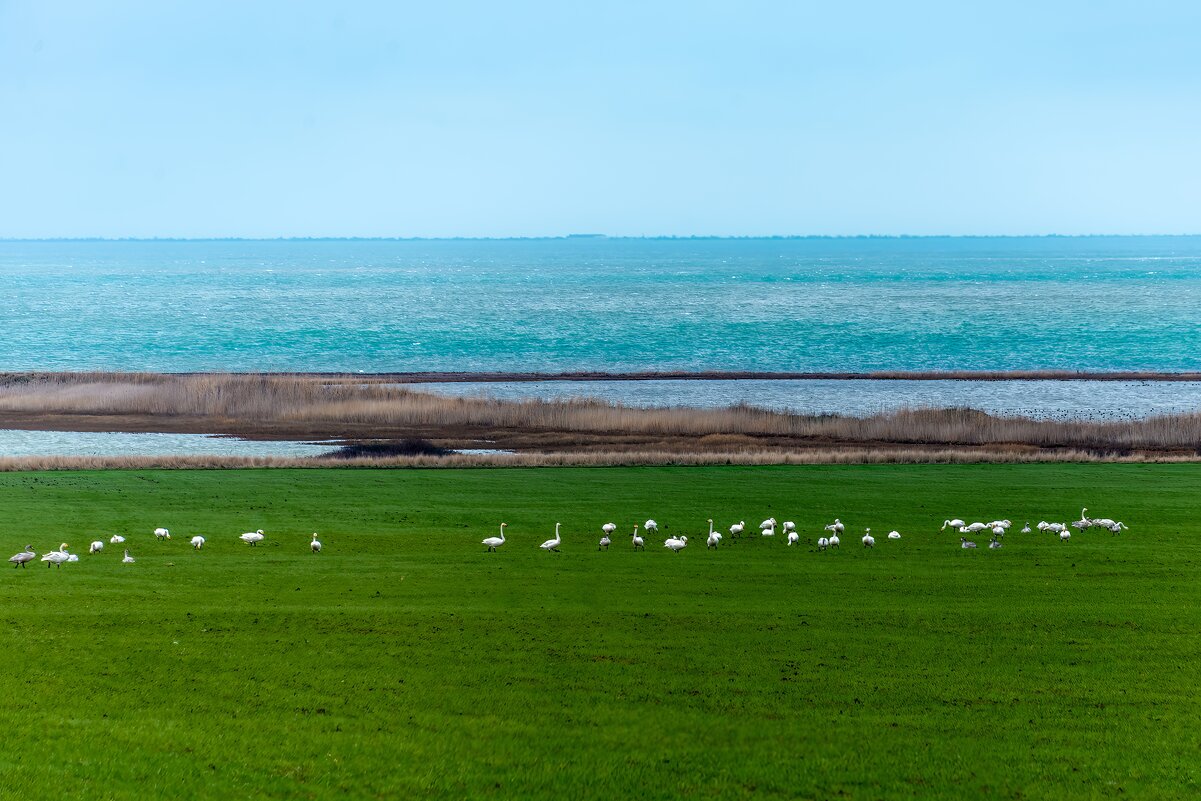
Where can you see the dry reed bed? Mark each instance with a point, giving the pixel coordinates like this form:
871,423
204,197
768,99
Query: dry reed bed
265,399
573,459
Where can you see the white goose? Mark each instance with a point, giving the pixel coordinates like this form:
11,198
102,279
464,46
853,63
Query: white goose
553,545
20,559
252,537
495,542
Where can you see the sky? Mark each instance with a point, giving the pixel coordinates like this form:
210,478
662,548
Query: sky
265,119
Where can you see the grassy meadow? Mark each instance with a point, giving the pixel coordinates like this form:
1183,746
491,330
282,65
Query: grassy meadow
405,661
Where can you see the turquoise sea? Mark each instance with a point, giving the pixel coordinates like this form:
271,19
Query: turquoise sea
1095,303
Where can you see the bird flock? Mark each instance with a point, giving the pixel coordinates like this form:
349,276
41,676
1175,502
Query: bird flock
61,555
830,538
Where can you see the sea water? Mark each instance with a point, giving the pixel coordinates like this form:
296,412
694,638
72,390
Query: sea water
1094,303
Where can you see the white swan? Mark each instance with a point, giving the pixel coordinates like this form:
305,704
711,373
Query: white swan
676,544
162,534
973,528
868,540
793,538
252,537
24,556
198,542
315,545
1118,527
789,526
116,539
894,535
96,547
955,523
714,538
609,528
553,545
822,543
998,531
770,531
1065,535
834,541
56,557
650,525
495,542
837,527
128,559
638,541
605,542
737,529
1026,528
768,523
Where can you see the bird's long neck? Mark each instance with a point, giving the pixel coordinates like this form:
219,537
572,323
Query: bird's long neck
711,527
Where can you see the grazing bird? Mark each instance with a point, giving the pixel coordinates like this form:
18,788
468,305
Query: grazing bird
837,527
650,525
252,537
894,535
789,526
964,542
834,541
1004,524
24,556
1103,522
1026,528
128,559
714,537
495,542
96,547
768,523
604,543
315,545
1065,535
609,528
822,543
956,523
998,531
973,528
116,539
1118,527
676,544
638,541
56,558
737,529
198,542
868,540
793,538
553,545
162,534
1056,528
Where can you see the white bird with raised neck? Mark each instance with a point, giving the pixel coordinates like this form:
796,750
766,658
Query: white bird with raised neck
495,542
553,545
252,537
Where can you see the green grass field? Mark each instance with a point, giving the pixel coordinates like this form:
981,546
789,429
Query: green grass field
406,661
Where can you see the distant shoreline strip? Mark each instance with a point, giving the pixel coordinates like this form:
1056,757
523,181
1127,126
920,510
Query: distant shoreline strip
441,377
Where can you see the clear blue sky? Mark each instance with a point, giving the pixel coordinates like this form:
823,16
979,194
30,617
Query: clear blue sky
516,118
